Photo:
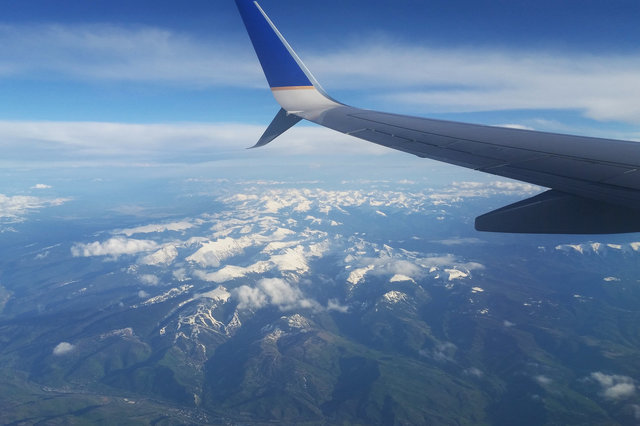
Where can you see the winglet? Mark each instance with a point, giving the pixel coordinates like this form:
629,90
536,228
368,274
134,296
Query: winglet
282,122
294,88
280,64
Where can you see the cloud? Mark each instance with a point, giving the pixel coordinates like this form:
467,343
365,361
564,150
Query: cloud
515,126
473,371
459,241
13,208
63,348
117,53
614,386
636,411
41,186
113,247
543,380
250,298
146,144
149,279
279,291
444,351
273,291
75,140
442,79
394,266
485,79
335,305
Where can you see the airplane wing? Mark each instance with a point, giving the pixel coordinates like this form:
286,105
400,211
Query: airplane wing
594,183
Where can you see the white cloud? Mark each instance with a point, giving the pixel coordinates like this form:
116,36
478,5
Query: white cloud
614,386
543,380
451,79
63,348
274,291
146,144
250,298
395,266
444,351
636,411
14,208
41,186
117,53
458,241
483,79
620,391
473,371
81,139
335,305
113,247
279,291
149,279
515,126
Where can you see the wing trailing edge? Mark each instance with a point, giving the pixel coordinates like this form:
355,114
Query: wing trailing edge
595,183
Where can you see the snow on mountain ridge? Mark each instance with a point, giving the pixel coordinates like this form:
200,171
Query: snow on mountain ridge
174,292
220,294
164,256
400,278
357,275
212,253
278,233
152,228
231,272
394,297
598,248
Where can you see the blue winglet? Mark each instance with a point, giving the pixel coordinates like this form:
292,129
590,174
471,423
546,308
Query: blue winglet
279,62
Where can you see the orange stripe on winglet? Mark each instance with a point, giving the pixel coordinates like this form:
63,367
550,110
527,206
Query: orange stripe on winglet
293,88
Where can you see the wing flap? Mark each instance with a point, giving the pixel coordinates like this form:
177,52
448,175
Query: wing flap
554,212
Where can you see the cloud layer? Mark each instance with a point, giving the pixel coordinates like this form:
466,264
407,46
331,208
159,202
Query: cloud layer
110,52
148,143
486,79
454,79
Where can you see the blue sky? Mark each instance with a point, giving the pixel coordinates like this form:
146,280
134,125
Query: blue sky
164,81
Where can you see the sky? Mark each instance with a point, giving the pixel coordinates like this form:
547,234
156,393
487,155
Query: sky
156,82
